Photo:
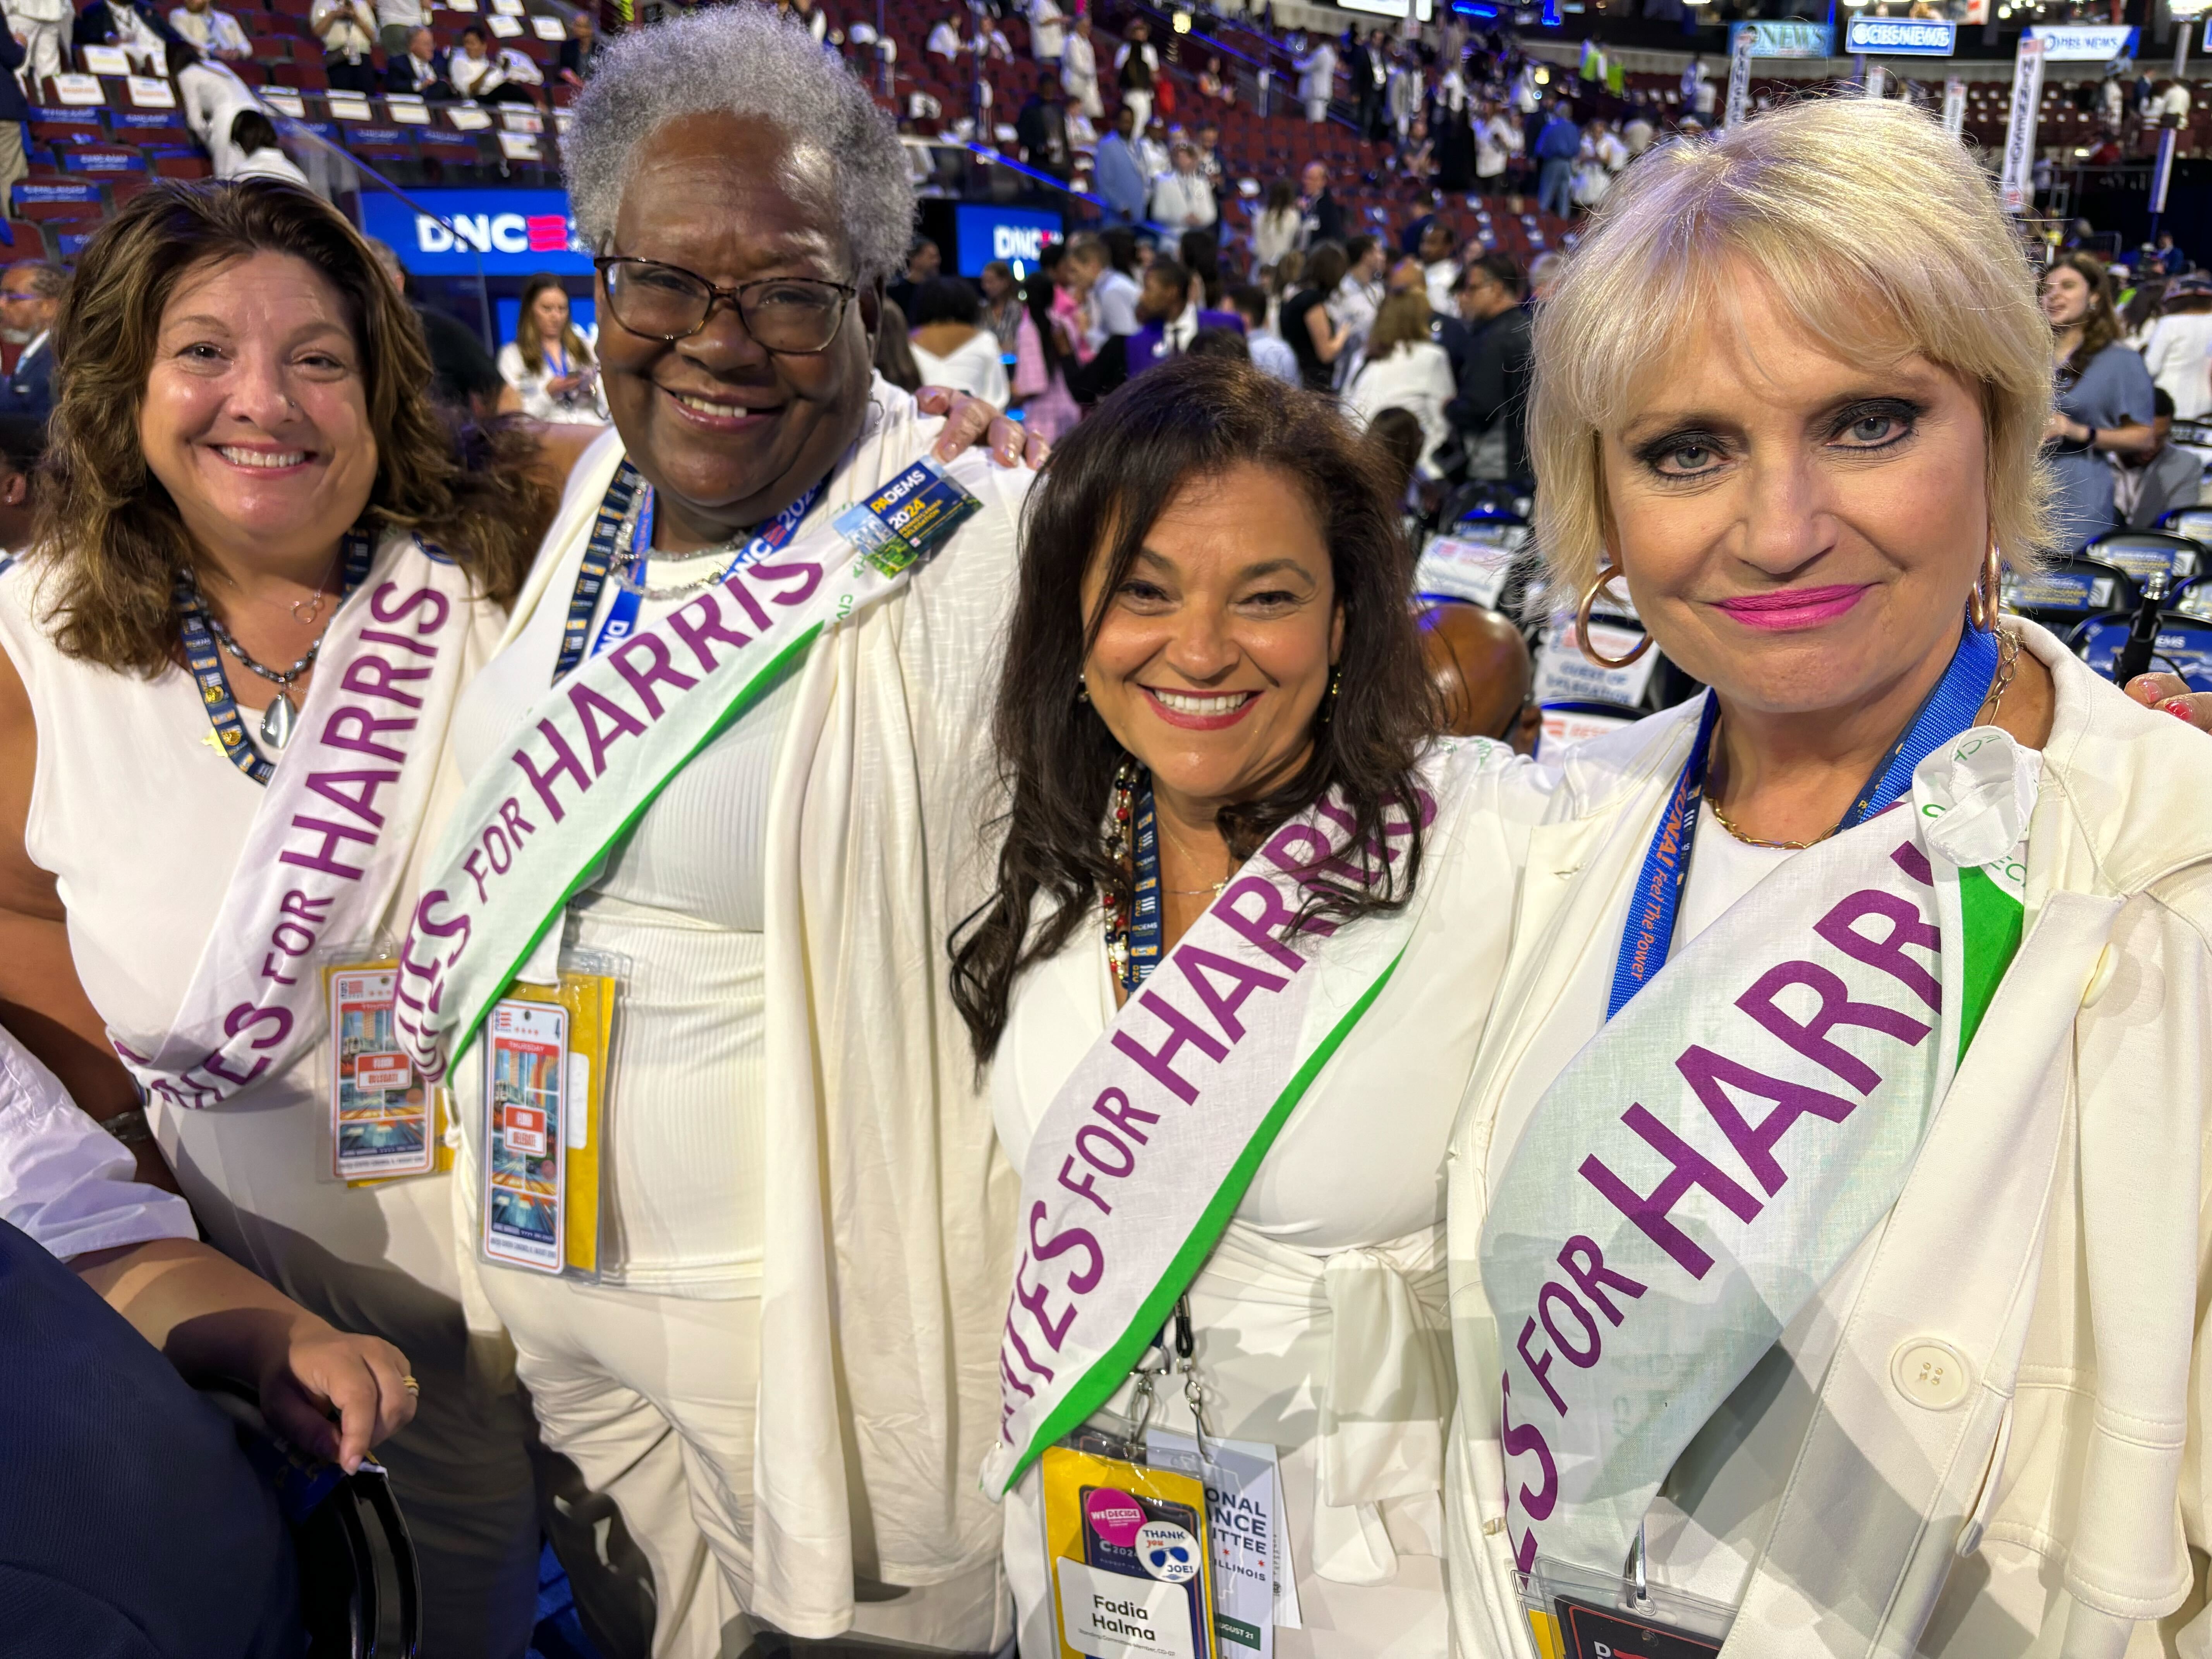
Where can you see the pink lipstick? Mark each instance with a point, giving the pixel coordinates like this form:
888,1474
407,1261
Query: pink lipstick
1794,608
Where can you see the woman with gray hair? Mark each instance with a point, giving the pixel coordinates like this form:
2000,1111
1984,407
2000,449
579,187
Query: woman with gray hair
731,755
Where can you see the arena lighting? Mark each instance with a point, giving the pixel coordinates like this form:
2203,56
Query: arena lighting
1182,22
2188,7
1543,77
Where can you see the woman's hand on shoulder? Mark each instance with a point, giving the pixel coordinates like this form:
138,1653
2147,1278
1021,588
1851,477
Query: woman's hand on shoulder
969,422
2172,692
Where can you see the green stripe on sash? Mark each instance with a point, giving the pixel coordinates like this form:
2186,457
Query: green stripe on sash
1098,1383
1992,921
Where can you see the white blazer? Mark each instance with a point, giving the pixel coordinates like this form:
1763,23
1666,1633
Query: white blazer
2052,1231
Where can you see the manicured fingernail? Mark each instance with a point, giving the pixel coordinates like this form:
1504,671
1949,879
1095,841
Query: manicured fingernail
2176,708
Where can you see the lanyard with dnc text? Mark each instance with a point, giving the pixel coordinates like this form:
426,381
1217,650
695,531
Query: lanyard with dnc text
1944,713
630,598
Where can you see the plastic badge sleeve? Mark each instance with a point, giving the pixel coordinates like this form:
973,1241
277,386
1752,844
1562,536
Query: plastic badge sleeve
385,1124
1130,1555
1580,1613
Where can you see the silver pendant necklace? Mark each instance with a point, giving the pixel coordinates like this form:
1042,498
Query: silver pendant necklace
632,564
276,720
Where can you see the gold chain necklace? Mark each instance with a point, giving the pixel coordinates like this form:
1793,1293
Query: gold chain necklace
2008,661
1216,890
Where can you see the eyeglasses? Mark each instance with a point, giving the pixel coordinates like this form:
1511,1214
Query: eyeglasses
796,316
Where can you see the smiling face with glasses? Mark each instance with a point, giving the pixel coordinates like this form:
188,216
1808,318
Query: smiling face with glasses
735,343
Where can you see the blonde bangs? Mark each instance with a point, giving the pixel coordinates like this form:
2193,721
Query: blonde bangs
1870,227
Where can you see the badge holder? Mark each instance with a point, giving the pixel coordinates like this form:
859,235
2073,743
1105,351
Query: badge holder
1581,1612
385,1124
1129,1543
546,1049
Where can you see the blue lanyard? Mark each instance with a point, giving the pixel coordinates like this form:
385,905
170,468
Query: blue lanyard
599,556
205,662
1144,917
1656,900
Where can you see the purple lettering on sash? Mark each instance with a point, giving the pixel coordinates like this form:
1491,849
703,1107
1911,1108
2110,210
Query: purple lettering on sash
1281,849
564,760
213,1063
397,642
1691,1169
1810,1038
326,859
1006,1413
1712,1075
422,598
298,903
1022,1348
301,942
1580,1358
590,706
1907,926
695,631
1181,1028
1261,932
510,814
361,735
373,676
472,861
269,971
1520,1442
1585,1264
656,668
1066,1239
246,1016
1091,1132
1034,1297
737,590
1910,859
362,802
1084,1187
807,576
497,849
1126,1116
1196,964
1539,1368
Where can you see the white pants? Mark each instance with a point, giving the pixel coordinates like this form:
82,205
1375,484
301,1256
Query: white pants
652,1400
1142,103
1316,110
46,53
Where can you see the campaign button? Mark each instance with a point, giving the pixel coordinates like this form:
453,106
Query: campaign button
1931,1373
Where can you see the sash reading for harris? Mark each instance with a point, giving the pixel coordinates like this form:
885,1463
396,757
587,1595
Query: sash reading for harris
540,824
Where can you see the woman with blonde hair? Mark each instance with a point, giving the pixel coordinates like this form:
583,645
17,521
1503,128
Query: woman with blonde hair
1404,369
549,362
1827,1202
2102,403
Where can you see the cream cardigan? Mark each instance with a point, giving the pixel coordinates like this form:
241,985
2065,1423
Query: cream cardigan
2052,1231
889,1222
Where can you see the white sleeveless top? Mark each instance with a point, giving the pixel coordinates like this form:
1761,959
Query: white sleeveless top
682,901
140,818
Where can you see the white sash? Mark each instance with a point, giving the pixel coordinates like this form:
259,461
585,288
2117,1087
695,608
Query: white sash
1715,1154
334,834
1148,1148
585,762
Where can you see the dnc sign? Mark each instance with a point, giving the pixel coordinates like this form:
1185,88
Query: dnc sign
502,233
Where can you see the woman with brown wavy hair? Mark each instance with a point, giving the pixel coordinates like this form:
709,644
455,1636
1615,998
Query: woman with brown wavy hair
257,542
2103,399
1195,995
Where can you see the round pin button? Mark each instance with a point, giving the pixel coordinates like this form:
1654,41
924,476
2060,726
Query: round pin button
1930,1373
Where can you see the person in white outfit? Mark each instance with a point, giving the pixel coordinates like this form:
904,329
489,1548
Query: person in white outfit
43,27
2178,353
254,153
1181,199
549,364
215,32
1137,66
1404,369
1079,71
212,96
1317,79
264,494
1247,563
951,346
1758,1305
778,1386
1047,31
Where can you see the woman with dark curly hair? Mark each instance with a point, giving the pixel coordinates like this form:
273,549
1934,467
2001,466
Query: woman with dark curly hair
257,542
1225,821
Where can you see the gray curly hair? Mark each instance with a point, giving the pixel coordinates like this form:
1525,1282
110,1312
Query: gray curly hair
740,60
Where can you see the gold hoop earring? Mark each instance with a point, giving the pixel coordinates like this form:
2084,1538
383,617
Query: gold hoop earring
1583,624
1984,605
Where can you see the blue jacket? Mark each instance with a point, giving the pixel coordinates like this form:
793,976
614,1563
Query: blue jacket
1121,179
1561,140
30,390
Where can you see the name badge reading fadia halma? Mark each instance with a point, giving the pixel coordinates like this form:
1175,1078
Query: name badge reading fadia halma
904,522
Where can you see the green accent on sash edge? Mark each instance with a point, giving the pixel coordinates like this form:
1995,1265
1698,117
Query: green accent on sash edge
1096,1385
746,696
1992,919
